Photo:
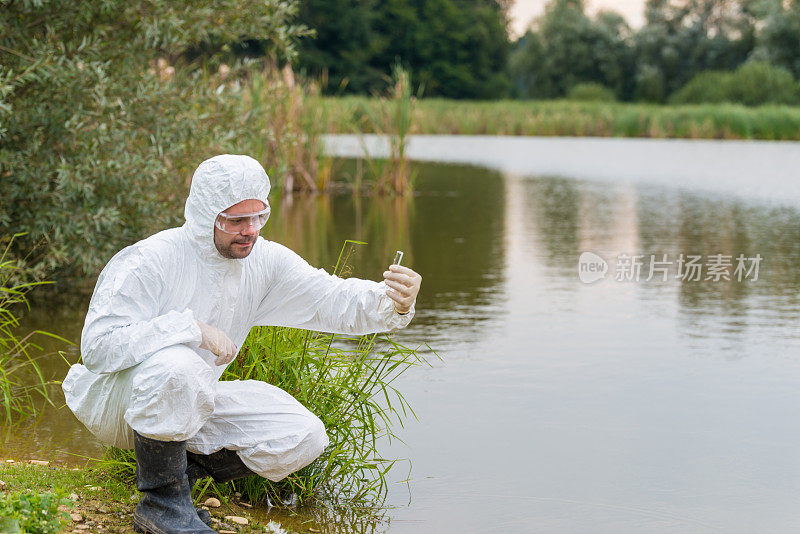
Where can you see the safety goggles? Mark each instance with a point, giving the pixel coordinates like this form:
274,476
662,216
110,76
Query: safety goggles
238,223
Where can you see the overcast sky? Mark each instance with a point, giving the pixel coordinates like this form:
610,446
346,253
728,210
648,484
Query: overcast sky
525,10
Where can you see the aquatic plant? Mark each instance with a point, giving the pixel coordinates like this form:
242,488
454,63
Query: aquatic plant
281,126
21,381
394,119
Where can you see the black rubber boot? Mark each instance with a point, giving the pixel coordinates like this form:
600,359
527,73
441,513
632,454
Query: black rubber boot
166,507
223,465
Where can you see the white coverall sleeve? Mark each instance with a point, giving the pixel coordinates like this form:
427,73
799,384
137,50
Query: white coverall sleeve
301,296
123,325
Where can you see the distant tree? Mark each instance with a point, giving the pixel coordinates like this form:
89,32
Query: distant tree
565,47
681,39
453,48
779,40
343,44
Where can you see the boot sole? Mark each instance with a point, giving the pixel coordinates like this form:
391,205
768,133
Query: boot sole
141,529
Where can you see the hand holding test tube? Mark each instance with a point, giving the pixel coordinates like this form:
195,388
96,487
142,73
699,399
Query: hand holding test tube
403,283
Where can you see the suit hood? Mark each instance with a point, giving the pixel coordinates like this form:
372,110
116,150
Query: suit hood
217,184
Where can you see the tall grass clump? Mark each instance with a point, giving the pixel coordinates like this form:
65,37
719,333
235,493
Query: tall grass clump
394,119
282,125
21,381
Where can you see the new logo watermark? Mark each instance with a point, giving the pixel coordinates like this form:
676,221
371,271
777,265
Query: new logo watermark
660,267
591,267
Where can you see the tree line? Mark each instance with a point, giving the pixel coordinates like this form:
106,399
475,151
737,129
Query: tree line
462,49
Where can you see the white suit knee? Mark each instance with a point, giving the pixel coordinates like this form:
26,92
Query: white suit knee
277,461
274,434
172,395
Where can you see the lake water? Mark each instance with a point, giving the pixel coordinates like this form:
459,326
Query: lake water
563,406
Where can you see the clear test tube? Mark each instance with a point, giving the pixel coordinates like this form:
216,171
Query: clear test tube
398,257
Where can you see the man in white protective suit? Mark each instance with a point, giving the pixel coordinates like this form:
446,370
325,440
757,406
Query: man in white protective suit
167,316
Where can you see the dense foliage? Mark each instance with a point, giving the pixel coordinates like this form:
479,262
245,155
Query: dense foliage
28,512
101,124
453,48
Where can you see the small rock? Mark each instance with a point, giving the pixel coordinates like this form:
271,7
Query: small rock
103,510
76,517
3,486
83,526
39,462
73,496
211,502
237,494
64,508
9,461
226,531
237,519
246,504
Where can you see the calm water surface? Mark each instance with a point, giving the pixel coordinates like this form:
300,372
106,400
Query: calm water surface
560,406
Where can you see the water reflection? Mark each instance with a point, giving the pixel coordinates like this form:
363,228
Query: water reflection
622,406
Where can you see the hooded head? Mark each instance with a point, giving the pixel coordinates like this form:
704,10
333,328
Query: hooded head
217,184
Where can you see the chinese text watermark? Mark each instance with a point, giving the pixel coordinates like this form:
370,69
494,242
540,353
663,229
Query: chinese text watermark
662,267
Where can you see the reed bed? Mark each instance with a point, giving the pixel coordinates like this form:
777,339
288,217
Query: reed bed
356,114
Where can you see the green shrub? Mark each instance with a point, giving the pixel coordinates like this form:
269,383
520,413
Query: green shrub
753,84
32,513
712,87
103,118
591,92
757,82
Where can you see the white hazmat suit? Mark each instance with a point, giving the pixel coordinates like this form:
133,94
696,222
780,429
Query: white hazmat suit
142,367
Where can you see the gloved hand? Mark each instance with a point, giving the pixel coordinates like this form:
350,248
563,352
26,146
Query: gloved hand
217,342
404,284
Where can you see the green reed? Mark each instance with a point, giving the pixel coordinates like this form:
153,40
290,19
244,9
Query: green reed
21,380
393,117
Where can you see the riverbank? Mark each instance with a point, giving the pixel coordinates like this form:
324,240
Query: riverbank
96,503
357,114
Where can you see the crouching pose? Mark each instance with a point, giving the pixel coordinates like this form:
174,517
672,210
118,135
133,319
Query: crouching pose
167,316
